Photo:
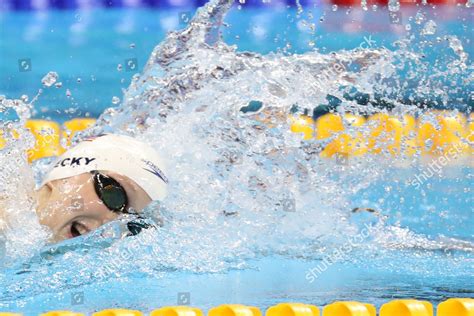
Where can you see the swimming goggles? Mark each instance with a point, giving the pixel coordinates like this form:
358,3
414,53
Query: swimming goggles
111,193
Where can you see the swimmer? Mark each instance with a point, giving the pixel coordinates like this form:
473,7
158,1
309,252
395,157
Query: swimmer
96,181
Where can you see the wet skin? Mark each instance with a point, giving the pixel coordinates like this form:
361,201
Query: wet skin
70,207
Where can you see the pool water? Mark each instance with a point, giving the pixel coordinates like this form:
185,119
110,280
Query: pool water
293,209
89,49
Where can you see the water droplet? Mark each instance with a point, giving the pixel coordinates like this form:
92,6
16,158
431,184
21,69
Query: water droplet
119,67
50,79
429,28
419,18
132,45
334,7
363,4
408,27
68,93
393,5
58,85
115,100
24,98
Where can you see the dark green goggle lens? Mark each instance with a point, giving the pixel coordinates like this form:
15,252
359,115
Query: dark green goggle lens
113,197
111,193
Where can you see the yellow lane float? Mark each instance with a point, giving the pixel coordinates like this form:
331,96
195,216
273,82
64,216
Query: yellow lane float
393,135
118,312
293,309
441,131
406,307
47,139
332,126
434,133
61,313
177,311
75,125
302,124
234,310
49,136
349,309
457,306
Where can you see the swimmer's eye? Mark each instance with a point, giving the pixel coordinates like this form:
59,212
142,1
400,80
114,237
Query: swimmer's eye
78,229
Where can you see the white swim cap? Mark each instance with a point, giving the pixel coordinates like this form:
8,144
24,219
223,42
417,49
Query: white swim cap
118,153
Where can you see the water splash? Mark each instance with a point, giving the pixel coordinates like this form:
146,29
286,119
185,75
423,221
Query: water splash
242,185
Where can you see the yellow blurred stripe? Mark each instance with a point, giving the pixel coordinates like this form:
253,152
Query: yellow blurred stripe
62,313
75,125
47,139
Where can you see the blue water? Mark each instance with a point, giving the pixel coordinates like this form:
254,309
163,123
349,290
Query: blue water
407,269
89,45
424,248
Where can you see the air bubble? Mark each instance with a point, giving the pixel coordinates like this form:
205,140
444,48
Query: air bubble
115,100
393,5
49,79
429,28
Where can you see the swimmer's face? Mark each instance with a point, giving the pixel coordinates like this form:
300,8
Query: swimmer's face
70,207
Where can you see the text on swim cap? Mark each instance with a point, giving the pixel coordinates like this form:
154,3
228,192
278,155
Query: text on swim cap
155,170
74,161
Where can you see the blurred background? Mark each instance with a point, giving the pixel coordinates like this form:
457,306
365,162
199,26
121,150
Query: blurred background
96,46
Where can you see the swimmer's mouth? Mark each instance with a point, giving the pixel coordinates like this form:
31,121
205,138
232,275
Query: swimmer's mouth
136,226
